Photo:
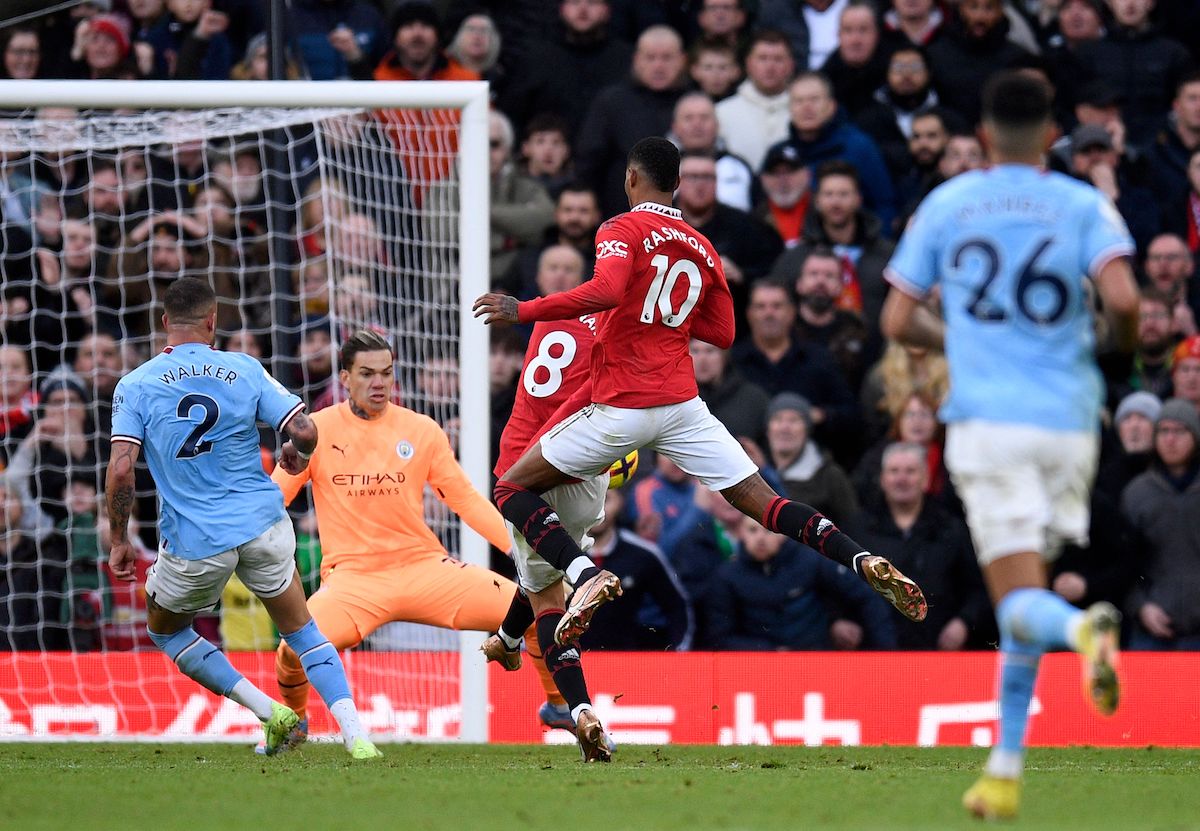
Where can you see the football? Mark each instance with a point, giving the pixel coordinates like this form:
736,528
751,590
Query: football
622,470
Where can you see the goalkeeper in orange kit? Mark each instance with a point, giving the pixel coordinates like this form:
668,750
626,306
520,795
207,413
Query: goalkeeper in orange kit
380,561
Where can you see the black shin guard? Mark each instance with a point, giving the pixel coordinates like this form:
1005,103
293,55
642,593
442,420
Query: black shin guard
537,522
811,527
519,616
562,661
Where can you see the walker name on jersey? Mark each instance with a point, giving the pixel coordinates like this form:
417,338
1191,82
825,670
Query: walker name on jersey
656,239
221,373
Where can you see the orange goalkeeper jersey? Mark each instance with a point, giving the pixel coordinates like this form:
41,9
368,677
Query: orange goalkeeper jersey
368,481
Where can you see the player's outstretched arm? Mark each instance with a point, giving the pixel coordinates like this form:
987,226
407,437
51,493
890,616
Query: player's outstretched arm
302,434
908,320
119,495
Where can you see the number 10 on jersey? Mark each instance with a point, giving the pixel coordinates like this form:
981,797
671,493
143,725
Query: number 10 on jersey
663,285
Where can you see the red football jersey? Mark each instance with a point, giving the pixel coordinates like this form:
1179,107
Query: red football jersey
665,285
557,364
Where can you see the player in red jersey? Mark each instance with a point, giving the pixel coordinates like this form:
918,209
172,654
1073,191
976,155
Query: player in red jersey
553,380
661,284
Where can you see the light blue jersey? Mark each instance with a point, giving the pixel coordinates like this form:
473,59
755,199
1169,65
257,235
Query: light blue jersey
194,411
1012,249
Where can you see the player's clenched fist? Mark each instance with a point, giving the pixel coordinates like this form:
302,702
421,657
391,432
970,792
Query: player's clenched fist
291,460
496,308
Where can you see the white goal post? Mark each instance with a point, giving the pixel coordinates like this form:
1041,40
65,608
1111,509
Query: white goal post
470,100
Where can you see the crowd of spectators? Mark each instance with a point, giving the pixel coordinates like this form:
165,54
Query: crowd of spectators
810,131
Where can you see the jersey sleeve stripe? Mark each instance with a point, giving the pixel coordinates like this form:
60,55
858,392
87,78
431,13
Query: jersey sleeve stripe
291,414
904,284
1107,255
116,437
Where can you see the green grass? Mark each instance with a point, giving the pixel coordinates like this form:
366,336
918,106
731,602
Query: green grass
86,787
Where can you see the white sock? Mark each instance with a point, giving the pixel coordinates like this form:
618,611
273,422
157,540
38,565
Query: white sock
252,698
347,718
577,567
510,642
1005,764
579,709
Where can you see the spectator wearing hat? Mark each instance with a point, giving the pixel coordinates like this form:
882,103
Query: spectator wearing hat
255,64
808,474
1098,103
415,54
784,183
1132,451
190,42
1172,149
1139,60
1096,161
333,36
102,48
912,530
694,129
1185,371
1161,505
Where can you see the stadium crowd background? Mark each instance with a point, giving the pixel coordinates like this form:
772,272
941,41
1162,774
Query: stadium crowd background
811,130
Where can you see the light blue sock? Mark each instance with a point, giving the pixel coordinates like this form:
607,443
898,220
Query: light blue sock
321,663
1038,617
199,660
1018,674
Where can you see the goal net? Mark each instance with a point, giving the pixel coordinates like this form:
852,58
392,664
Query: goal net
314,210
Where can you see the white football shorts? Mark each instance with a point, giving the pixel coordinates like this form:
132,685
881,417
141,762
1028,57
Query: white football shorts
1025,488
587,442
266,565
580,506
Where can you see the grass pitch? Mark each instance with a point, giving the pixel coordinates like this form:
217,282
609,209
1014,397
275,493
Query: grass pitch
94,787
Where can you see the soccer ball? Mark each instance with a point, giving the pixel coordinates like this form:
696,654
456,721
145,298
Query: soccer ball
622,470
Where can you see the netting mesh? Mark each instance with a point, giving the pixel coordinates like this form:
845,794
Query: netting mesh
309,224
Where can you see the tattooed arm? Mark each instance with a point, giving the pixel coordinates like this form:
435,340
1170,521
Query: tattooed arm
119,493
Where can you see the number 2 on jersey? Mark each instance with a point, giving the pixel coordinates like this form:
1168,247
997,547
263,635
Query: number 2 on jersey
553,366
663,284
195,444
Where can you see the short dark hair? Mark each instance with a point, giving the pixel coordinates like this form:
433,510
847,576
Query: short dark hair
1016,100
548,123
820,252
364,340
188,300
837,167
1190,78
659,160
772,37
577,186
